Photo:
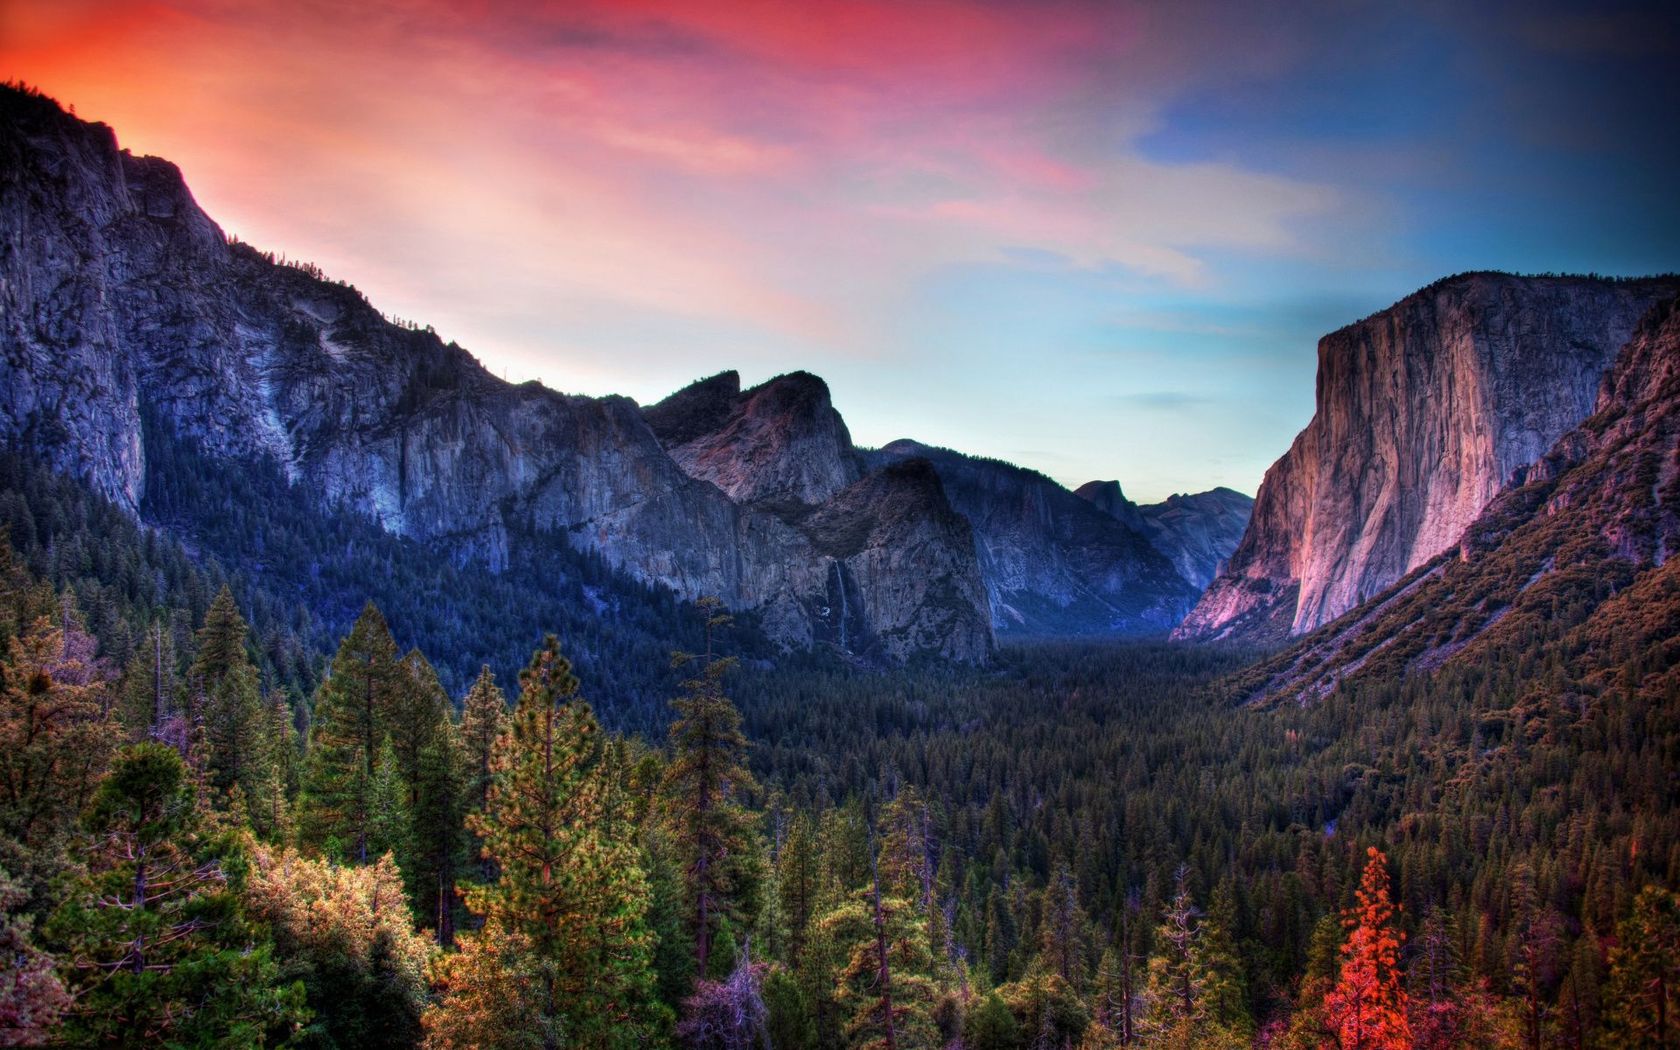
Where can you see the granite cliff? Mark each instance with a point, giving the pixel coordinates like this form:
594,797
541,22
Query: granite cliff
1577,553
1053,563
1196,532
1425,411
123,306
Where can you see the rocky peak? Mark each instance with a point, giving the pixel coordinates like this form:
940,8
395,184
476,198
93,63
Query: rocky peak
1424,412
698,409
1108,497
1052,563
779,441
123,311
1196,532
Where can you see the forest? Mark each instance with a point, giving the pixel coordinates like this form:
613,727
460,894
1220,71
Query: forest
211,838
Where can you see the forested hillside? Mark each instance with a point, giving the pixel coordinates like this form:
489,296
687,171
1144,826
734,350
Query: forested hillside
1088,846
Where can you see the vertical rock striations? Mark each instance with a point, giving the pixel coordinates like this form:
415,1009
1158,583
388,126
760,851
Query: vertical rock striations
1424,411
123,307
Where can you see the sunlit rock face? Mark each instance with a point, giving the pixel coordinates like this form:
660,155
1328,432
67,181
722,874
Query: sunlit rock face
1424,411
123,308
1579,547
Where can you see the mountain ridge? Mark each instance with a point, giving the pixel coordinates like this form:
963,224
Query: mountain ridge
121,296
1424,411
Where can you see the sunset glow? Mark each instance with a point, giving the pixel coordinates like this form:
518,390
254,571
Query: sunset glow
996,226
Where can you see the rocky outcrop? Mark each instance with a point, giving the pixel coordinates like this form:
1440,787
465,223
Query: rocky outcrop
1053,563
1577,554
1424,411
122,306
1195,532
781,440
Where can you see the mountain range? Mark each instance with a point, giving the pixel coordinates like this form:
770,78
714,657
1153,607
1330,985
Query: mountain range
131,323
130,319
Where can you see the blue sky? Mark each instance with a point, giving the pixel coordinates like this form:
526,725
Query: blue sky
1100,239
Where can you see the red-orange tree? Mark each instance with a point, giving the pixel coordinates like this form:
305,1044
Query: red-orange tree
1366,1010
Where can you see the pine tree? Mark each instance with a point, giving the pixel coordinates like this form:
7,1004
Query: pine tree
227,703
419,710
1176,976
1644,992
885,986
390,827
55,737
564,957
1366,1010
440,838
271,796
799,882
345,932
482,717
703,789
1063,933
160,950
351,720
150,686
1225,991
32,997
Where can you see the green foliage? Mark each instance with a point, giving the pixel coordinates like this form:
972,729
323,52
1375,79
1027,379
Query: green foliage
1645,972
564,954
159,948
352,719
704,790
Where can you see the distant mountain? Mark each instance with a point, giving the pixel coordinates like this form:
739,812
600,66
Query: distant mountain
1053,563
1568,580
1425,410
126,318
1196,532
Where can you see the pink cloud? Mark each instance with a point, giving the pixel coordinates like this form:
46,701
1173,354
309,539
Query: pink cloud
789,168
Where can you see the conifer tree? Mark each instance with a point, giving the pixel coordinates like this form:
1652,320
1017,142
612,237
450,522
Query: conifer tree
227,703
160,950
482,717
885,986
1644,992
439,837
1225,992
32,997
1063,931
419,710
351,720
55,736
150,685
799,882
1176,975
390,821
270,801
703,787
1366,1009
564,957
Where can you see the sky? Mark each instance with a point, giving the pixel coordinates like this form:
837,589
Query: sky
1093,237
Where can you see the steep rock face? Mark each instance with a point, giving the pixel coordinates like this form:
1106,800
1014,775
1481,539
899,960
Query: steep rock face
1196,532
1579,552
1053,563
123,306
781,440
1423,412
